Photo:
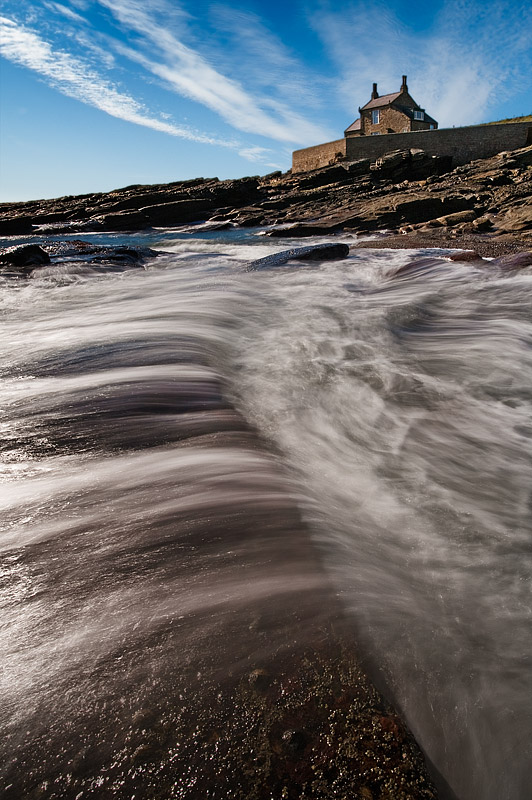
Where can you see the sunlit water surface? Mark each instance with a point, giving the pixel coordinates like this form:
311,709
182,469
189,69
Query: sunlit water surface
401,413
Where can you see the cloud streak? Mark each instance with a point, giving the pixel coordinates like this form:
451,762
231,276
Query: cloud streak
75,79
455,74
190,74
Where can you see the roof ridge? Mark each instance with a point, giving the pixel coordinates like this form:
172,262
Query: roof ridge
382,100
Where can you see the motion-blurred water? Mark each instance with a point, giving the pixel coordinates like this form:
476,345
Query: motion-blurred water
399,410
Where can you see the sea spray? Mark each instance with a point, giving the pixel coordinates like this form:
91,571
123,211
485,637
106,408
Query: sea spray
397,412
167,626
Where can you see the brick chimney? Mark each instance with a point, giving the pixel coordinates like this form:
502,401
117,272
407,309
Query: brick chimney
374,93
404,87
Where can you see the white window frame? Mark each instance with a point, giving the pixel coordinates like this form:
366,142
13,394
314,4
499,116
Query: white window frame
419,115
375,116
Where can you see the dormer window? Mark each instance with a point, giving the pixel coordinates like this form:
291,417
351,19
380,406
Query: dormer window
419,115
375,116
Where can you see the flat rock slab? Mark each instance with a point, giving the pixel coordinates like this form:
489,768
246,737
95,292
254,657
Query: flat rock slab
318,252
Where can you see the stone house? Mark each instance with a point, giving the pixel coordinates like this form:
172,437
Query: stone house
390,113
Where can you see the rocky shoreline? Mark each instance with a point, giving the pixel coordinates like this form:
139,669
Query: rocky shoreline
351,740
418,200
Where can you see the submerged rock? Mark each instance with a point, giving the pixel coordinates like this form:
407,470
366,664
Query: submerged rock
513,261
318,252
417,267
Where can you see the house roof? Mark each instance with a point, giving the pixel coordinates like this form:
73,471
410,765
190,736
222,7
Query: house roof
355,126
383,100
409,112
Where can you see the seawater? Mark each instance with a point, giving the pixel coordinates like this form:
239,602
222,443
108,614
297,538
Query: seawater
399,412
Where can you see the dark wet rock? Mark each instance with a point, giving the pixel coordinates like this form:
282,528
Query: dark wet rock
318,252
18,225
74,256
260,680
24,256
466,256
294,741
90,253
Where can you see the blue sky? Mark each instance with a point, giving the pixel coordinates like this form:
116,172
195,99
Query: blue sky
99,94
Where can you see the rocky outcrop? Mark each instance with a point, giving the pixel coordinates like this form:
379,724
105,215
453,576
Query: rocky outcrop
407,192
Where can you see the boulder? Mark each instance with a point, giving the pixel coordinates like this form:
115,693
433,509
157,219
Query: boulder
24,256
360,167
466,256
319,252
457,218
392,160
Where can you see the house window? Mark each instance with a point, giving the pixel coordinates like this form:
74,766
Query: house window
376,133
375,116
432,126
419,115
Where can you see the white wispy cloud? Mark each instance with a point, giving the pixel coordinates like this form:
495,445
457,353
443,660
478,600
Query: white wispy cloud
65,11
244,44
254,153
189,73
456,69
74,78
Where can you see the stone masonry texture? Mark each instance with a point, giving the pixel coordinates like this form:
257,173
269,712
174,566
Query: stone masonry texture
463,144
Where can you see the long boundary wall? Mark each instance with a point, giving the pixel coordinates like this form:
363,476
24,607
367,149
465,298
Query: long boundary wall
318,156
463,144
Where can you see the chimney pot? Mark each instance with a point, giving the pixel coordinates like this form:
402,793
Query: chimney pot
404,87
374,93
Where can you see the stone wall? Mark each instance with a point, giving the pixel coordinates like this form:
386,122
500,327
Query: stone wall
321,155
463,144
